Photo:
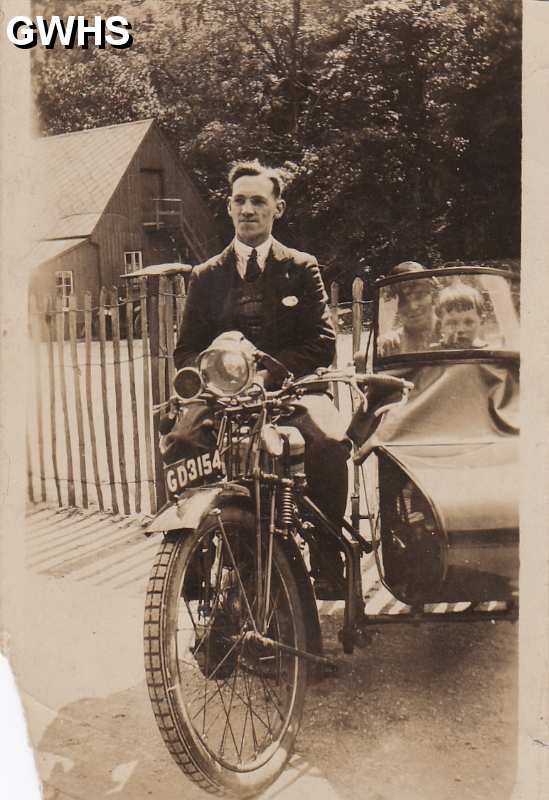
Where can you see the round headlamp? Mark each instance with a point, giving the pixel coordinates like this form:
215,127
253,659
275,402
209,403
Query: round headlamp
187,383
228,365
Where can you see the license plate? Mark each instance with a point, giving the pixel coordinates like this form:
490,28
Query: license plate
193,471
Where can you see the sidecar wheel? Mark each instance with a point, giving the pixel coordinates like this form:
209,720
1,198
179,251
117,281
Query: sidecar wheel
227,706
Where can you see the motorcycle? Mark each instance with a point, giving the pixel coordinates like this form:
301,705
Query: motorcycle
232,632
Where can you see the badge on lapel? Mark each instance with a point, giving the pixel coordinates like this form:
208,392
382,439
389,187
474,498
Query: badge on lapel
290,301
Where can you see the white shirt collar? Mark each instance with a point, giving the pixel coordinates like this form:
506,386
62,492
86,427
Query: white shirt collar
243,251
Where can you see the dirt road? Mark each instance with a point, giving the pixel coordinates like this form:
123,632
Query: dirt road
419,713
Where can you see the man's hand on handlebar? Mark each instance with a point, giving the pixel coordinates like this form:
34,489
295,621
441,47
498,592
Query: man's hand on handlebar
264,379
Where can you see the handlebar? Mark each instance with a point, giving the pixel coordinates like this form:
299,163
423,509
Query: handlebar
355,379
383,381
292,387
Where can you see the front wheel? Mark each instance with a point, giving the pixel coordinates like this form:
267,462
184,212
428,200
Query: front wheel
228,702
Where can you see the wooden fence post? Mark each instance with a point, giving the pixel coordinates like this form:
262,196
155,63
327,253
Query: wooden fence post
358,291
162,336
105,396
180,294
78,399
154,341
36,311
89,400
115,320
50,317
334,301
60,329
357,316
30,479
169,329
130,294
147,411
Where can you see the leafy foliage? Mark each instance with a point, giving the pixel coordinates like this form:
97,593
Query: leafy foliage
398,122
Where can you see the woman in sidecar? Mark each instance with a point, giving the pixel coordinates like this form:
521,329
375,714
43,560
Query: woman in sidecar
446,515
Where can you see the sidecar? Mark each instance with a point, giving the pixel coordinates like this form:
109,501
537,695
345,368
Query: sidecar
446,523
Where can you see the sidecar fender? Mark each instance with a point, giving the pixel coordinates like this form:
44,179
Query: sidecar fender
189,510
472,488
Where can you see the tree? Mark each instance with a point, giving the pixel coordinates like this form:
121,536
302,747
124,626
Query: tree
388,137
398,122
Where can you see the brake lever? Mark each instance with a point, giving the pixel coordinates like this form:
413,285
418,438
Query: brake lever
166,404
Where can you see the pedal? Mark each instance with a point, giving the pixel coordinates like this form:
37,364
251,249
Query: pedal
363,633
324,590
363,637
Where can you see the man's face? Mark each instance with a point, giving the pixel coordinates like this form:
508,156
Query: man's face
415,306
253,208
460,327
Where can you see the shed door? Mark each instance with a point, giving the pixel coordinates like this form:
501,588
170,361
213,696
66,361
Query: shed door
152,187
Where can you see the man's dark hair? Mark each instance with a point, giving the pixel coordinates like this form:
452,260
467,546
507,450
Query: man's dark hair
254,168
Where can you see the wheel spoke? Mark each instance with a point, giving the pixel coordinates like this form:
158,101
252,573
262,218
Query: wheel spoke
220,712
274,607
246,702
265,700
271,696
233,696
193,623
227,717
255,714
231,555
248,709
212,676
244,729
211,697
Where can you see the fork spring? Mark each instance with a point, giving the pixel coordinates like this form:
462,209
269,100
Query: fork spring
286,505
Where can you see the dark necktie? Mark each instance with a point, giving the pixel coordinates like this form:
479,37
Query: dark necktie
252,267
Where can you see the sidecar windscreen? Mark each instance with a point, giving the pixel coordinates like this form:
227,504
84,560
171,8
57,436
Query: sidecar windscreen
455,312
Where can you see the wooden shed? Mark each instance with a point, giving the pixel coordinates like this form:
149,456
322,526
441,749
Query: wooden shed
118,200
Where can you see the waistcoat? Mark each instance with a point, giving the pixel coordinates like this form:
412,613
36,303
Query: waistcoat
246,301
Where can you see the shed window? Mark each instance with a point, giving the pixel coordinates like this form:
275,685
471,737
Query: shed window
133,259
64,286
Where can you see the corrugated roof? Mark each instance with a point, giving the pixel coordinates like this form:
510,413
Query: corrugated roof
45,251
82,171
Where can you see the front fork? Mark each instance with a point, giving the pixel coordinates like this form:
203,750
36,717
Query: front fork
281,499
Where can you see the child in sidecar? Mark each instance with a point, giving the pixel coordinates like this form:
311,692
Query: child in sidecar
459,309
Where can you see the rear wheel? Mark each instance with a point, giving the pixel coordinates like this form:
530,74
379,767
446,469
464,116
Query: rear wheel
412,544
228,702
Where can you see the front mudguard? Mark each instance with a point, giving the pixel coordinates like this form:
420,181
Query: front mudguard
195,505
306,594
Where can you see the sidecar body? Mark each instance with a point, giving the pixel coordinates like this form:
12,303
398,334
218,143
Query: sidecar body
448,458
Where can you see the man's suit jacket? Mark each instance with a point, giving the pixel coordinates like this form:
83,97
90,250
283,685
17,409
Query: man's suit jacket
297,327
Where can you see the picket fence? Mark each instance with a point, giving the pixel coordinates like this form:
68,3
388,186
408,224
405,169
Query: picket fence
98,374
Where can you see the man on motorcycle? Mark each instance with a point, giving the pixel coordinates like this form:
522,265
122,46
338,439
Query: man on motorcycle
275,296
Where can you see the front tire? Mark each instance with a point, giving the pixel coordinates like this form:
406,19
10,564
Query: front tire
228,707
